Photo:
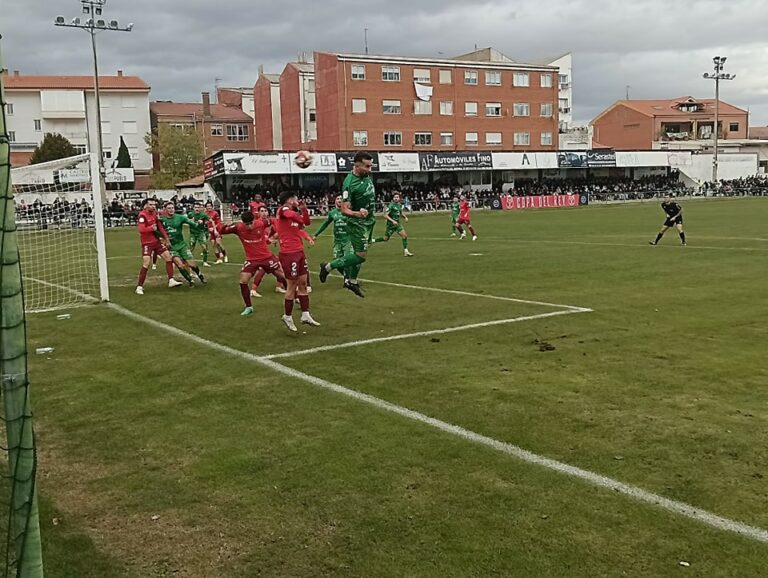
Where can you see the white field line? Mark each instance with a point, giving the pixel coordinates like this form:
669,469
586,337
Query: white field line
637,245
79,294
598,480
573,308
418,334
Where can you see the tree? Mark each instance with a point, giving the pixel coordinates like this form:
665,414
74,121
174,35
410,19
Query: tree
180,154
54,146
123,156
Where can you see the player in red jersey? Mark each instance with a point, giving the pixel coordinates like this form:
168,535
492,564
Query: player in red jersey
464,210
257,255
213,233
256,204
150,227
270,236
292,217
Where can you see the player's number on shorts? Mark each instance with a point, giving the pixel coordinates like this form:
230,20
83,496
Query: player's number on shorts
294,267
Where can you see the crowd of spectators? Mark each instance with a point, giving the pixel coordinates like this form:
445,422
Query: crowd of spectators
745,186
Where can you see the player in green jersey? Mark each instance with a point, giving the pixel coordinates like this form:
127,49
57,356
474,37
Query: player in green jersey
358,199
393,215
454,216
342,246
182,256
198,232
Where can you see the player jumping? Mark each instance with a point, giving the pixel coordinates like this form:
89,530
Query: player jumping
258,257
393,214
292,217
464,219
154,240
358,200
342,246
182,256
674,219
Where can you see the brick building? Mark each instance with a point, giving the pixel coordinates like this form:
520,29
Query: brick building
399,103
658,124
297,105
267,112
221,127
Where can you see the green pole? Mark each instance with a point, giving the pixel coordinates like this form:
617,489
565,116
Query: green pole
24,524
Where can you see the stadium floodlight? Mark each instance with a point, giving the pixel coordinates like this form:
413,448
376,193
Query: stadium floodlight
717,76
92,26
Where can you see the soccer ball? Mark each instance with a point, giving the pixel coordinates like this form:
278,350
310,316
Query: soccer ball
303,159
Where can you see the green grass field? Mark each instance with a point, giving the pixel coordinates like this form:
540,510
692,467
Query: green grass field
161,455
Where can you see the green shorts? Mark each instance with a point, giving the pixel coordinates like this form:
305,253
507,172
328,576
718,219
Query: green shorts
182,252
198,238
341,248
392,229
360,236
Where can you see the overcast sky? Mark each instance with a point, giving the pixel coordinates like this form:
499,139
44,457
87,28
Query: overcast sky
659,48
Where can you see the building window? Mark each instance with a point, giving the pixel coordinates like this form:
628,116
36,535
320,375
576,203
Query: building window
522,138
217,130
134,152
446,107
81,149
470,139
446,77
310,85
358,72
393,138
522,109
9,108
470,109
11,136
391,107
422,75
546,80
563,104
358,105
422,107
312,115
38,125
129,127
106,127
470,77
521,79
422,139
446,139
733,127
492,109
107,154
182,126
493,78
546,109
360,138
390,73
546,138
563,80
237,132
128,102
493,138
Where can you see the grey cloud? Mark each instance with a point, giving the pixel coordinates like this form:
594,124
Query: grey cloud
658,47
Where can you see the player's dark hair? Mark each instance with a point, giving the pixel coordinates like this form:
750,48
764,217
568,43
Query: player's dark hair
145,202
247,217
284,196
168,203
362,156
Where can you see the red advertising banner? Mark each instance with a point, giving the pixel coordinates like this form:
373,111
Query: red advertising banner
513,203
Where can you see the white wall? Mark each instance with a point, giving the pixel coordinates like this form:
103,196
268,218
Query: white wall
248,105
277,122
308,103
730,166
565,64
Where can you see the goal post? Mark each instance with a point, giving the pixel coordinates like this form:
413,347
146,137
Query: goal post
60,227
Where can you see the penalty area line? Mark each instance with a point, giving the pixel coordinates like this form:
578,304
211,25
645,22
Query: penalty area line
592,478
418,334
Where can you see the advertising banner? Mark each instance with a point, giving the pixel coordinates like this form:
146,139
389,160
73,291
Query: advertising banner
321,163
124,175
399,162
601,158
523,161
513,203
346,160
257,163
643,158
213,166
572,160
455,161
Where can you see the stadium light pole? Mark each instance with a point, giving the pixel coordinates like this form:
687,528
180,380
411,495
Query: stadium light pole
717,76
92,10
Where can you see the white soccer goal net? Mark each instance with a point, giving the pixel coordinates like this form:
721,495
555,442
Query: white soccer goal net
60,230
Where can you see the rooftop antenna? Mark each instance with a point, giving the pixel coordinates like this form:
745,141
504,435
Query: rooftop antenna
366,40
628,87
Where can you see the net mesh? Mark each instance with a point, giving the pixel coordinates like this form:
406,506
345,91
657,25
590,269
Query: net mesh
56,229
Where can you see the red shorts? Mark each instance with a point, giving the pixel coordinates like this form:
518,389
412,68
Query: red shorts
463,221
269,266
154,247
294,265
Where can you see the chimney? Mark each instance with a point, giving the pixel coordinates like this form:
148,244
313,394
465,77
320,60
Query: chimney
261,69
206,104
15,72
119,72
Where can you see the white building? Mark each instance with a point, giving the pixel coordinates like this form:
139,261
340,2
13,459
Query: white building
37,105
